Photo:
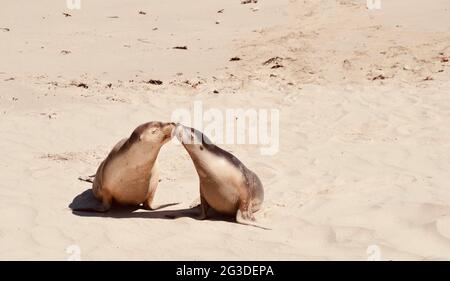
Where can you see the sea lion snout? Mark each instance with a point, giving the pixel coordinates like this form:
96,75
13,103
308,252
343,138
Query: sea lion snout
169,129
184,134
154,132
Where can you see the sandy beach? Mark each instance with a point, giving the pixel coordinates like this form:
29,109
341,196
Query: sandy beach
364,130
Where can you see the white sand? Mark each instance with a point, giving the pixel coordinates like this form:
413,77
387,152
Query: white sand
362,162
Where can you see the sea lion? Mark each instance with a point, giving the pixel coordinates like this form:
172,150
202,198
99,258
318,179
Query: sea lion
129,174
226,184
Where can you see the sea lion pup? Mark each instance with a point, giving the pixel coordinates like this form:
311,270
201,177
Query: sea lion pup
129,174
226,185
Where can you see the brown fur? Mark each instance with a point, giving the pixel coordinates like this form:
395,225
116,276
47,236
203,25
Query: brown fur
226,184
129,174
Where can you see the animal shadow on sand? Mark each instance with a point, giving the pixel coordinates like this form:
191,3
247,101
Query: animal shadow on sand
86,199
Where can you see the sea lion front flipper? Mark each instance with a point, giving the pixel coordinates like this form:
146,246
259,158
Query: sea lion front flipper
244,213
204,207
154,208
246,220
153,184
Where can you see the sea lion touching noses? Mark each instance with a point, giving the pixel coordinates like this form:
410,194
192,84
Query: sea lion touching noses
129,174
226,185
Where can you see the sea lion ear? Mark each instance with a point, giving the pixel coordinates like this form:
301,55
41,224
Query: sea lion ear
154,130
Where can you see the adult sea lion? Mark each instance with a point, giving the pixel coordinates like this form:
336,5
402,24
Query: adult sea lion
129,174
226,184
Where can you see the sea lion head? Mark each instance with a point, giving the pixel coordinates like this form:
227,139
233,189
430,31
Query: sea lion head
191,138
153,133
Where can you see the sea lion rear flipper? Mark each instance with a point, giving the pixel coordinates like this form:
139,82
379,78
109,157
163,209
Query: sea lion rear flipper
154,208
89,179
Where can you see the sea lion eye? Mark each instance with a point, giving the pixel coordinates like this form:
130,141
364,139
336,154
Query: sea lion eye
201,147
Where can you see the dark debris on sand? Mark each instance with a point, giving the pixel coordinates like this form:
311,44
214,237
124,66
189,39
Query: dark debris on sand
180,47
274,60
80,85
379,77
243,2
154,82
